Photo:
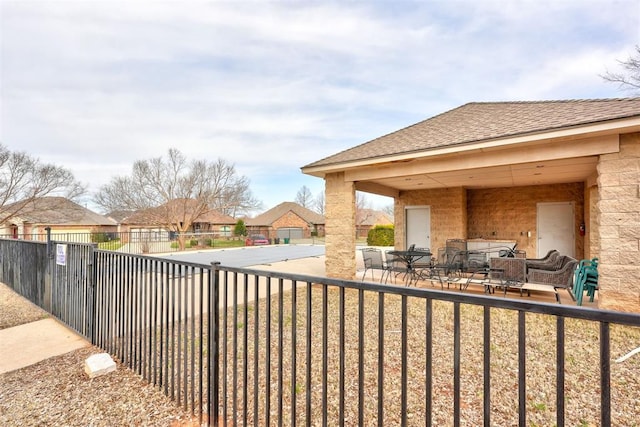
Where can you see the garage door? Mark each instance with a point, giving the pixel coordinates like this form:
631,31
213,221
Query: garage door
290,232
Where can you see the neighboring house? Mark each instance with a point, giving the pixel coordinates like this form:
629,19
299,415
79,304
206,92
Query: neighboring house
287,220
152,223
62,216
119,217
543,175
366,219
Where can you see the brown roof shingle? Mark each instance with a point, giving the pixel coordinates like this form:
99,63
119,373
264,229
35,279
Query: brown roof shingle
59,211
273,214
479,121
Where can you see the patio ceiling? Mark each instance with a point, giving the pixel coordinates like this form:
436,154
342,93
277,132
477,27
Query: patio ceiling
515,175
535,163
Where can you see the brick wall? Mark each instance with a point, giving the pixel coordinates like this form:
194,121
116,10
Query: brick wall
618,226
509,213
448,214
291,219
340,222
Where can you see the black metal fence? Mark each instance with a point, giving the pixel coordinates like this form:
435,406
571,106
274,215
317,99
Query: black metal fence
245,347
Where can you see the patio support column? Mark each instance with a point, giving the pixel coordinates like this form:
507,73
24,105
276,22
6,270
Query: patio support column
340,224
619,226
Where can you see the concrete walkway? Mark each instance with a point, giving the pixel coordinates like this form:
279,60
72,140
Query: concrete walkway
33,342
27,344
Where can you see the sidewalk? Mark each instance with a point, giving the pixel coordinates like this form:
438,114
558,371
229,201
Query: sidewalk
33,342
30,343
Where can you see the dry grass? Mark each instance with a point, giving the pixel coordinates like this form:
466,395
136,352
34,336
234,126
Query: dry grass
582,373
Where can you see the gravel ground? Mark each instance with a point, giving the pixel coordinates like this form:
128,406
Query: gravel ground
57,392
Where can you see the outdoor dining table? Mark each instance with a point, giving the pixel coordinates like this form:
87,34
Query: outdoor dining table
410,257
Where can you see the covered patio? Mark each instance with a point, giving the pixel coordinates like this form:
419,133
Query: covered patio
539,175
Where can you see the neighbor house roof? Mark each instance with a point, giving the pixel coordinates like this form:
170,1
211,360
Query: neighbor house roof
371,217
120,215
58,211
482,121
178,208
273,214
215,217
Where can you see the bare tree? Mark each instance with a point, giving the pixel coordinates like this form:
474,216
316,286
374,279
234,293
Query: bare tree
629,79
23,179
389,210
304,197
318,203
173,192
364,212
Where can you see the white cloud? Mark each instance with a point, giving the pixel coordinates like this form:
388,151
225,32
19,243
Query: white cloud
272,86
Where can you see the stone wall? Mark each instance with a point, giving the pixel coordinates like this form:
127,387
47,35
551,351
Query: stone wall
619,226
509,213
340,226
592,219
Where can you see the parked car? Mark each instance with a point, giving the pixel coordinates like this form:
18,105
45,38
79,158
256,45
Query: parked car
256,239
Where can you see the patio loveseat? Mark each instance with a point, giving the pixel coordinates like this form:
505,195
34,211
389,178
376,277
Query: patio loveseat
560,275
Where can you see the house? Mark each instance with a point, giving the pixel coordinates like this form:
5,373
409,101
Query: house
287,220
153,223
542,175
31,218
366,219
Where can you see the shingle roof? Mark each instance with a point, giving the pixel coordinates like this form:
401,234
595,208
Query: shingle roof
59,211
372,217
216,217
176,209
273,214
479,121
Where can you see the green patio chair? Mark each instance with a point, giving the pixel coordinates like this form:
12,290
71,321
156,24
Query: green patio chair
586,280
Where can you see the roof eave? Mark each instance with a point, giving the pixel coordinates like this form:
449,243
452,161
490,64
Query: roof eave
618,126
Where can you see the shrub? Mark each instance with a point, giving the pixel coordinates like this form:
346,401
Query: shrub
380,235
240,229
99,237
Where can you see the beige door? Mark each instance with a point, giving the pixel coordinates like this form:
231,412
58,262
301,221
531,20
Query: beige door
418,226
556,228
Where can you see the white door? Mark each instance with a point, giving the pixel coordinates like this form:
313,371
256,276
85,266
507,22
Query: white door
556,228
418,228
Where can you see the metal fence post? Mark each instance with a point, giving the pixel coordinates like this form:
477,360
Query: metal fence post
48,273
91,289
214,344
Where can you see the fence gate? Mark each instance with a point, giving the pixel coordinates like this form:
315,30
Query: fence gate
72,285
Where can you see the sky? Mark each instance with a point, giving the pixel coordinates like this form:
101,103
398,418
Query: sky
271,86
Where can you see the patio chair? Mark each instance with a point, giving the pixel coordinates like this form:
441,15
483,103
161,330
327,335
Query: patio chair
445,268
373,260
459,245
502,272
545,263
560,278
422,262
421,267
586,279
396,266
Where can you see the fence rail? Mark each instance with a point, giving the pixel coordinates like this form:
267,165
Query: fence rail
246,347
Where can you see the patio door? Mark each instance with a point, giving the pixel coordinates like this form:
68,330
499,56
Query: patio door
556,228
418,226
